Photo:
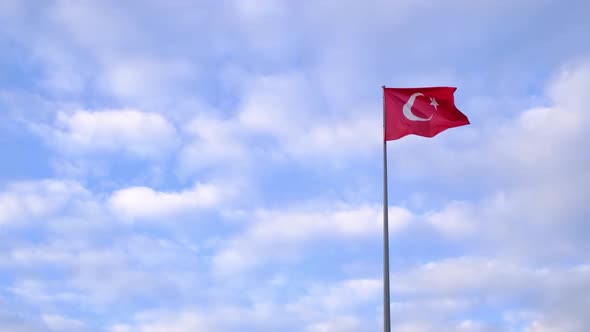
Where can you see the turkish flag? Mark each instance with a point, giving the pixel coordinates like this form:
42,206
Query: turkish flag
420,111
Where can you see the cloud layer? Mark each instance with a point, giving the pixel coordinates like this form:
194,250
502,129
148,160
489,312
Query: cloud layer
188,166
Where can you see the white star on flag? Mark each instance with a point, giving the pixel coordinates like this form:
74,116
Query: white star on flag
434,103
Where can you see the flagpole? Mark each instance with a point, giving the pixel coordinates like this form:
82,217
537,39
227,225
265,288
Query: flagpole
386,312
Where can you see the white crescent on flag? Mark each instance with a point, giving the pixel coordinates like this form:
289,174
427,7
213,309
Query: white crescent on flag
407,109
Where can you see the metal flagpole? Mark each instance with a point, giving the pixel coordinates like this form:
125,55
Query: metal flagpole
386,312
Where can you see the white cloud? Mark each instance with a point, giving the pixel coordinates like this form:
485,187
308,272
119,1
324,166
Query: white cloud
548,297
138,79
278,105
184,321
462,326
60,323
12,322
276,119
323,300
213,142
278,233
145,135
131,267
342,323
145,203
456,219
22,201
338,138
97,48
319,307
64,71
94,26
466,275
264,29
285,108
213,318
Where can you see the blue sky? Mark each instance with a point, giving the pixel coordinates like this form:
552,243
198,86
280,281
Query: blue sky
216,166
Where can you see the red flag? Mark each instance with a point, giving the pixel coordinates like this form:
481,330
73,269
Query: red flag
420,111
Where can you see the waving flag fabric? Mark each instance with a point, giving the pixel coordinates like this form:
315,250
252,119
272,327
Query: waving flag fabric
420,111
